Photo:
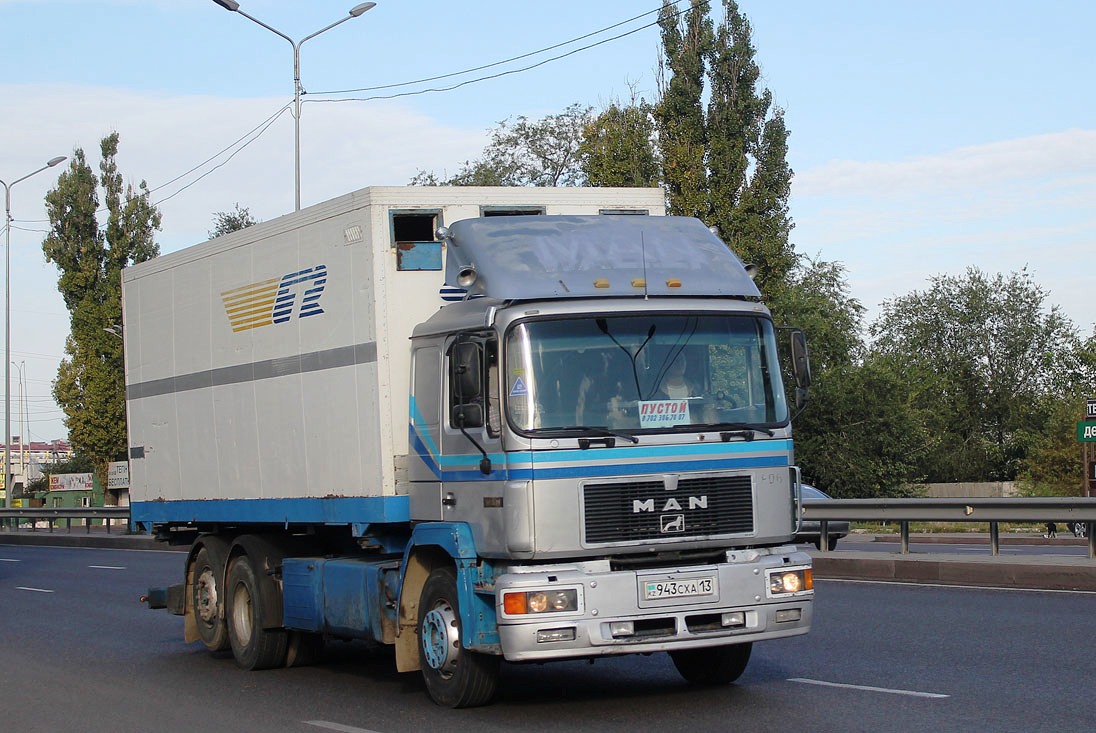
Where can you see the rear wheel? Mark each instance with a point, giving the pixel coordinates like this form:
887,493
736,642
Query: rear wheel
1080,529
253,646
715,665
455,677
205,602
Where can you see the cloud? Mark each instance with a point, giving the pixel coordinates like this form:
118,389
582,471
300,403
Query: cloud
344,147
1000,207
1055,155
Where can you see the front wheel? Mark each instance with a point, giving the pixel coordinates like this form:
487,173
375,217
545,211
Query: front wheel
1080,529
454,676
713,665
253,646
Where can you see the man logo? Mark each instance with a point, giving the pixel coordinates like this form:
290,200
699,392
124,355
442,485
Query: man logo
272,301
670,505
672,523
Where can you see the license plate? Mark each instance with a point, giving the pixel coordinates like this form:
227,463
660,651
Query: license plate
654,590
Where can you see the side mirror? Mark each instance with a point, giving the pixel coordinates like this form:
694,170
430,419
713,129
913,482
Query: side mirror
467,375
801,361
468,415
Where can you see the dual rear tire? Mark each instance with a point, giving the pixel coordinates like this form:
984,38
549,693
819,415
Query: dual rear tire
228,613
253,645
206,599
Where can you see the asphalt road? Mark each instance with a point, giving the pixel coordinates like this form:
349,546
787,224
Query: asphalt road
78,652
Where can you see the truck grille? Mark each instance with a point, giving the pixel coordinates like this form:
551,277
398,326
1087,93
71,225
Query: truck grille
646,510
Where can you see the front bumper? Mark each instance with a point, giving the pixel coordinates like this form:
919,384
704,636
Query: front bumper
615,616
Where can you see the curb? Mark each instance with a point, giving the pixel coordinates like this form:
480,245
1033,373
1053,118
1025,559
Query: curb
972,539
1053,573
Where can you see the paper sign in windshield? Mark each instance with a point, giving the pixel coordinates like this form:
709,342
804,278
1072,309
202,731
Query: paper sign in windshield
663,413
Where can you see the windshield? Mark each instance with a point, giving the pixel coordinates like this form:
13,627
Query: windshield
643,372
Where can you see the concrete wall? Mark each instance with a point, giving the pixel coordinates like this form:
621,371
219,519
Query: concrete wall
985,489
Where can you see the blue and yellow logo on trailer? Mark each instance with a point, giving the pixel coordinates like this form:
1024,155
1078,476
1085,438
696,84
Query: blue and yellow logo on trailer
273,301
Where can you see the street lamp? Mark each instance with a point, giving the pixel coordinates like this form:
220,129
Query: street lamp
233,6
7,323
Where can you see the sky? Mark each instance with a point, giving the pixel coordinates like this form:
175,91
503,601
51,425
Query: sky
926,137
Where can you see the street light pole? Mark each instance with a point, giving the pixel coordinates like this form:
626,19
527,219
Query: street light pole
22,366
357,10
7,322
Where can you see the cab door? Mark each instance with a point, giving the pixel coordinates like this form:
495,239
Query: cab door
473,466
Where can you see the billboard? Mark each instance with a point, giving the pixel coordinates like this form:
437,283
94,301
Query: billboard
118,475
70,481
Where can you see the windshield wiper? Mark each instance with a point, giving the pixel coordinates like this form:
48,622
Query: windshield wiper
588,430
727,430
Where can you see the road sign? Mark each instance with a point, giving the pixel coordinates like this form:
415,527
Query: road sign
1090,408
1086,432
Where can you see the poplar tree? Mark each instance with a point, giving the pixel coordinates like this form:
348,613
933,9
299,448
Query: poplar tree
90,384
682,131
725,163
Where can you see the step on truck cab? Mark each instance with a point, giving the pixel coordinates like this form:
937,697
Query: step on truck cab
560,433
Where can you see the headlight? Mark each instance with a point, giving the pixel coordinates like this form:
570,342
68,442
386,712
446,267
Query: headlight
790,582
516,603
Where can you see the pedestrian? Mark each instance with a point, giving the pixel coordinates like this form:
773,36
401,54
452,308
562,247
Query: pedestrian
1052,530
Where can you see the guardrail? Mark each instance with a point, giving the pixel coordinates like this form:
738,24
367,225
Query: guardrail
1038,510
902,511
15,519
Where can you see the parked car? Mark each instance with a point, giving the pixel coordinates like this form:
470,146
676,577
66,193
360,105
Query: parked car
811,530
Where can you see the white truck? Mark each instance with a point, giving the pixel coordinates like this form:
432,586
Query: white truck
478,424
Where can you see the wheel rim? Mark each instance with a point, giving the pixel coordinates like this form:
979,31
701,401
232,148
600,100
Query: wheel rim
205,596
241,614
441,639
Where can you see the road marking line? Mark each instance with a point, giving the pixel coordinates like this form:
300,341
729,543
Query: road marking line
8,559
337,726
916,584
36,590
107,567
868,688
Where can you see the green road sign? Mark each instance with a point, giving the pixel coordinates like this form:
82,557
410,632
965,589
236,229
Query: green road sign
1086,432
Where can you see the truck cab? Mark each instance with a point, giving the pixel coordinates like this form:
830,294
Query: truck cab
612,429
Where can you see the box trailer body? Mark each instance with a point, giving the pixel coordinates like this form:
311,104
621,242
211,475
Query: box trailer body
475,423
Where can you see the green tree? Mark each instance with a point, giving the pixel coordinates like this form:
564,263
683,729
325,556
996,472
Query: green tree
687,41
857,436
226,222
726,164
526,152
1054,465
617,147
90,384
984,358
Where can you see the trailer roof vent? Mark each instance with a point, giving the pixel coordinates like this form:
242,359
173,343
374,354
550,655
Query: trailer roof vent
352,233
